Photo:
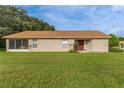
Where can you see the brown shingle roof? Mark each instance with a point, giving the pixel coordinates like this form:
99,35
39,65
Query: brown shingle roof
58,34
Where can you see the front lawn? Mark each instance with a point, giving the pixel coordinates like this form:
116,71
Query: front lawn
61,70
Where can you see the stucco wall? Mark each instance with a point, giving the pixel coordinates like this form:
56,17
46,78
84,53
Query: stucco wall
100,45
51,45
55,45
89,45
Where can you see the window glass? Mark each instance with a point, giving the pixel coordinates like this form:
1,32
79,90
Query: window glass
64,43
25,44
34,43
18,44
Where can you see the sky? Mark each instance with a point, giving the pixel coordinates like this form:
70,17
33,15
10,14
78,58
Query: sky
105,18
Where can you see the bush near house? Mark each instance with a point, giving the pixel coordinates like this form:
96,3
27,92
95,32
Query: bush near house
75,46
115,49
72,51
2,49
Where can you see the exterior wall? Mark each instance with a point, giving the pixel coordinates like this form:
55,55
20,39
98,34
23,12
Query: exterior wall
51,45
121,44
97,45
89,45
55,45
18,50
100,45
71,44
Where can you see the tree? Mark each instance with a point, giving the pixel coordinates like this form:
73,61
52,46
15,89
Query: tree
121,38
13,19
114,41
4,31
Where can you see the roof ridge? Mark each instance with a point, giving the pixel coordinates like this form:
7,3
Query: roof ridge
66,31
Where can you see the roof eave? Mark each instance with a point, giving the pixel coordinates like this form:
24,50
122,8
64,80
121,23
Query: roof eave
57,38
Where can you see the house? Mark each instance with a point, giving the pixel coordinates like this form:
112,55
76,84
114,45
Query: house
121,44
57,41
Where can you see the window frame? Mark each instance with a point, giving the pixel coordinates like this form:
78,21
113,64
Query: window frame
64,43
34,43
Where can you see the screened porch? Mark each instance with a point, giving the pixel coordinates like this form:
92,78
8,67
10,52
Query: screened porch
18,44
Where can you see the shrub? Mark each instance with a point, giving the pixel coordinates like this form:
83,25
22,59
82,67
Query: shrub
2,49
72,51
113,41
75,46
115,49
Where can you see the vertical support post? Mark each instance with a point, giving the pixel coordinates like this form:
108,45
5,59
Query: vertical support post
29,44
7,45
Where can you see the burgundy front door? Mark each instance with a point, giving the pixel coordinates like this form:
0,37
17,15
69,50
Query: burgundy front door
80,45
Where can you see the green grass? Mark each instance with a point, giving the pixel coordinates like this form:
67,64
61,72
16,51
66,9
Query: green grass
61,70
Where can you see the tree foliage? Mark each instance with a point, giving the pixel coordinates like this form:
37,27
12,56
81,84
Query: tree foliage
121,38
13,19
114,41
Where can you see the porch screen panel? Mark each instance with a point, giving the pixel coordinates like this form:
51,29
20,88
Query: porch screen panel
12,44
18,44
25,44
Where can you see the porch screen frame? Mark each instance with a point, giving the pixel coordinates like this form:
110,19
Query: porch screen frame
21,46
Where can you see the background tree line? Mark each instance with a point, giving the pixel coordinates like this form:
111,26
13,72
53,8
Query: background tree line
13,19
114,40
114,45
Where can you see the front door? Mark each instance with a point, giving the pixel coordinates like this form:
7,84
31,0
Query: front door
80,45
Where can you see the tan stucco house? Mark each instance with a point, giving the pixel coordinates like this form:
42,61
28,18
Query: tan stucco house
121,44
57,41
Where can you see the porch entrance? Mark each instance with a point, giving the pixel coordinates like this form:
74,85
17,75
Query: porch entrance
80,45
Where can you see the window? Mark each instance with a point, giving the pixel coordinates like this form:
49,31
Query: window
64,43
34,43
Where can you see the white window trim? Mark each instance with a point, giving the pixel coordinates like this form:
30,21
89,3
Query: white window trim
34,42
64,43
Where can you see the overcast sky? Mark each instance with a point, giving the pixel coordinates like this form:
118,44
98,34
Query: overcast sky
108,19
